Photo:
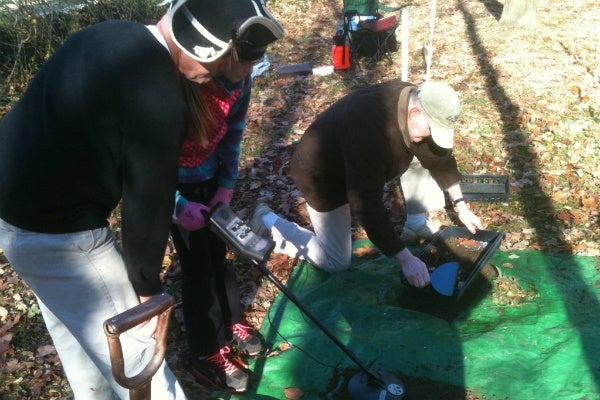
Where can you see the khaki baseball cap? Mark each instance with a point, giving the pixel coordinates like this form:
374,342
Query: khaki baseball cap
442,108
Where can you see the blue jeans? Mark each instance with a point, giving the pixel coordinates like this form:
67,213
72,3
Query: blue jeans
80,281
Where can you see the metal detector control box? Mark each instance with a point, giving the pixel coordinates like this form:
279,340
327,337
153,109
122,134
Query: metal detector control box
235,232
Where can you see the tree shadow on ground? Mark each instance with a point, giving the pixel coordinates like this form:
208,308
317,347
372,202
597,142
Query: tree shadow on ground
494,7
533,198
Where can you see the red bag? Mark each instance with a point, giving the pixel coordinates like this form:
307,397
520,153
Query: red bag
340,52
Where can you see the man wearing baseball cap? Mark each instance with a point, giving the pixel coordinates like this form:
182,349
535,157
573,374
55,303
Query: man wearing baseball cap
421,192
346,157
101,124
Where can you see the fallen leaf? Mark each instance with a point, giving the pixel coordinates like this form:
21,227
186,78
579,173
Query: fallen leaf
366,252
283,346
9,324
590,202
564,216
45,350
4,347
11,365
293,393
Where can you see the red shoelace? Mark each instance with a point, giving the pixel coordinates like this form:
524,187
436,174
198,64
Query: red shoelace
222,360
241,331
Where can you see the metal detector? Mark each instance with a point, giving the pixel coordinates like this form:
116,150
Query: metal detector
366,385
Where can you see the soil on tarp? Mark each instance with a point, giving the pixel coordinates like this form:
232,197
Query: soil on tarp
475,278
464,250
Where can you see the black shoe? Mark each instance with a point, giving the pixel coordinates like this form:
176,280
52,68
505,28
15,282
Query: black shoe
220,372
247,340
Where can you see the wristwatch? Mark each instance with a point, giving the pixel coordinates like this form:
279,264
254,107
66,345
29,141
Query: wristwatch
455,202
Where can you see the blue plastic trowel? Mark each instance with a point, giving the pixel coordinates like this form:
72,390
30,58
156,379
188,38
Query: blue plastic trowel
443,278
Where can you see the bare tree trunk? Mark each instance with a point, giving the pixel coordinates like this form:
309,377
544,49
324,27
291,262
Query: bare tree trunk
429,48
519,12
404,48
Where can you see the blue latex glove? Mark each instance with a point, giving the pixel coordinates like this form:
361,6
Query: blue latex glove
191,218
222,195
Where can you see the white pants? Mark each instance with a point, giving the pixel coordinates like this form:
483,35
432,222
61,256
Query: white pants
421,191
328,248
80,281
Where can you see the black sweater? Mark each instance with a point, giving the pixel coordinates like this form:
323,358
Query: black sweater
353,148
102,121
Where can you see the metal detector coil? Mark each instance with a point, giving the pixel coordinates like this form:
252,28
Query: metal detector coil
360,387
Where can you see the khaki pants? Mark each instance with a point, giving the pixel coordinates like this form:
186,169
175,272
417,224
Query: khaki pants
421,191
328,248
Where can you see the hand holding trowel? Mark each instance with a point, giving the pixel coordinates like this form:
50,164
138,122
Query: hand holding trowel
442,279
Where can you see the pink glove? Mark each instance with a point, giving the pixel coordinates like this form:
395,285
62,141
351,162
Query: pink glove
222,195
191,218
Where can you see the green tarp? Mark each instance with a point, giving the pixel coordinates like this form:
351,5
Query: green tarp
543,344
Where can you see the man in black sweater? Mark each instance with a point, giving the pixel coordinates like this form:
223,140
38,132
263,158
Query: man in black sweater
101,123
346,157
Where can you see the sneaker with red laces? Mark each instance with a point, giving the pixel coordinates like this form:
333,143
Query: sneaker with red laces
220,371
247,340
